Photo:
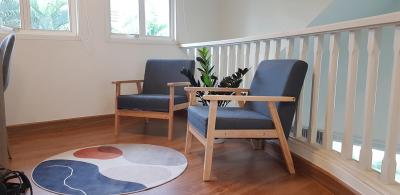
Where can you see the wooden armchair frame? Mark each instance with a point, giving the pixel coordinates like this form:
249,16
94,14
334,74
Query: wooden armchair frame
212,133
149,114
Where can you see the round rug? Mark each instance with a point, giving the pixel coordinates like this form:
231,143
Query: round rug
109,169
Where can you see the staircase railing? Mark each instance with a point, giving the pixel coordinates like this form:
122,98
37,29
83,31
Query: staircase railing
343,46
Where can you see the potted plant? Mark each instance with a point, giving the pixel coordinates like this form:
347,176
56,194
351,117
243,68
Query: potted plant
209,79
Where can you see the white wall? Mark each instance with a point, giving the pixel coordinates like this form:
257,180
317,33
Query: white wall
199,20
240,18
59,79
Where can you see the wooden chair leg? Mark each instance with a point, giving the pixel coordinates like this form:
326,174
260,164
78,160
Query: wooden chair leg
282,139
189,138
208,159
170,126
116,124
287,155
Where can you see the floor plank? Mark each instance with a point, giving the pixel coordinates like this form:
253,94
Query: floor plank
237,168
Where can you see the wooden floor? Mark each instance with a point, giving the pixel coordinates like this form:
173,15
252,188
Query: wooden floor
237,169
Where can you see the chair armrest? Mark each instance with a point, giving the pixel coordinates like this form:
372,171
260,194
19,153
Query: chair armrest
118,86
215,89
249,98
127,81
178,84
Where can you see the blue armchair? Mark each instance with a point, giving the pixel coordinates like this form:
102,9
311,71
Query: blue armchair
162,93
6,49
267,111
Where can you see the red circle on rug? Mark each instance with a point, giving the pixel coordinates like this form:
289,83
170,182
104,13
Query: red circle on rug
101,153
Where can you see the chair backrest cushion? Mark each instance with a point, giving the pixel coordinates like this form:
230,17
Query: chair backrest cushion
160,72
278,78
6,48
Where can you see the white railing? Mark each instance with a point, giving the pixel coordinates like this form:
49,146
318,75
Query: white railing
228,55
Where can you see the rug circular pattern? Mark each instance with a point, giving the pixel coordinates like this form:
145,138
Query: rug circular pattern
109,169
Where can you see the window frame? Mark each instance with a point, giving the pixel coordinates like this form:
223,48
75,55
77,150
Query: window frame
25,31
142,37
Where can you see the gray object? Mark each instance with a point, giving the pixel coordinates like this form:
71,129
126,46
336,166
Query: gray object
6,49
272,78
155,96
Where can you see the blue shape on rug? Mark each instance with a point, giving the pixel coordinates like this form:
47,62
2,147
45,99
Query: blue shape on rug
80,178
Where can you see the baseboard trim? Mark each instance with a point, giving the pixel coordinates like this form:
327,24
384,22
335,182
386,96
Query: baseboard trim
346,171
61,122
72,121
305,167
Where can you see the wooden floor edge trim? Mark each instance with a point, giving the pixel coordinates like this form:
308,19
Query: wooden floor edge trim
52,123
305,167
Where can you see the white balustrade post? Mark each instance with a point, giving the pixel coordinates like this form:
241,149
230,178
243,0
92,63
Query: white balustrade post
352,69
195,55
277,52
237,57
261,54
316,76
332,77
253,59
222,62
389,159
246,63
230,57
299,112
215,59
267,49
289,49
188,52
370,98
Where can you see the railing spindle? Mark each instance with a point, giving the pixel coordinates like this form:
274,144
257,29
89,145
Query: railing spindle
316,76
229,59
188,52
215,59
389,159
195,55
352,69
261,55
332,77
237,57
222,61
267,49
289,49
370,98
299,112
277,52
253,60
246,63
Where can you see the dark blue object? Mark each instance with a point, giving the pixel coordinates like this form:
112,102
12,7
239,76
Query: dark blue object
155,96
272,78
148,102
79,178
6,48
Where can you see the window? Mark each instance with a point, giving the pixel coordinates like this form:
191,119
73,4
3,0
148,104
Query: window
10,13
39,15
124,16
142,19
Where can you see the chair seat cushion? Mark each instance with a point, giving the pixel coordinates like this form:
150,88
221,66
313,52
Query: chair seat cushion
228,118
148,102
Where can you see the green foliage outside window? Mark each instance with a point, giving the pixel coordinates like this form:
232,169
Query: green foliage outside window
9,13
53,15
45,14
